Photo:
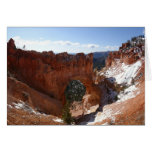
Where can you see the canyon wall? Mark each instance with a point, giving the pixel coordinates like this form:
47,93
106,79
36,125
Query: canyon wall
125,54
47,72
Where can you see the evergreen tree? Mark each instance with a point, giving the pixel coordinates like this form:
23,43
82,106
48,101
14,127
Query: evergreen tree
66,115
73,92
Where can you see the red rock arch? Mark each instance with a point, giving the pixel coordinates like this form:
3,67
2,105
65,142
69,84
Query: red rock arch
48,72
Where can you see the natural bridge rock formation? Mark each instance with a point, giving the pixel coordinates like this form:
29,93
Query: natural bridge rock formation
50,73
46,71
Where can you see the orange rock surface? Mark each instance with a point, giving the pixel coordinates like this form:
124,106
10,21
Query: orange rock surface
128,56
18,91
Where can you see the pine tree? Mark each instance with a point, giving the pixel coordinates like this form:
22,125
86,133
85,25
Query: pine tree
74,92
66,115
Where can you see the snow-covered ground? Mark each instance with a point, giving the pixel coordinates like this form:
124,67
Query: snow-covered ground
109,113
58,120
128,93
101,116
24,106
122,73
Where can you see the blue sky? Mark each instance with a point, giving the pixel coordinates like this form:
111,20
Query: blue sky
72,39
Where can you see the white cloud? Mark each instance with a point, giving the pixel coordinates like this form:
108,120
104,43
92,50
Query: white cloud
61,46
92,46
66,43
56,46
20,42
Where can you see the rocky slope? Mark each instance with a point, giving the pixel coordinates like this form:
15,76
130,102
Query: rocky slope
129,52
122,82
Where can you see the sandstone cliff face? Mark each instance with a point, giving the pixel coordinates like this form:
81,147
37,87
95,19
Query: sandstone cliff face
48,72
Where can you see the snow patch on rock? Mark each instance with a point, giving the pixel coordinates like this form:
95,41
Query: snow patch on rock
106,114
58,120
128,93
25,107
123,73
